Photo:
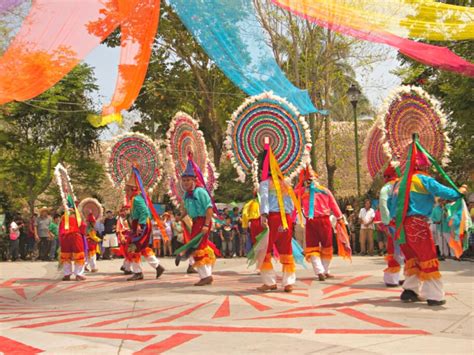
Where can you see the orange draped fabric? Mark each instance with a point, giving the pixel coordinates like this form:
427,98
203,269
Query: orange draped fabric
56,35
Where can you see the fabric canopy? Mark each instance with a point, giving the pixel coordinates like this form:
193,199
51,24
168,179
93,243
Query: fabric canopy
422,19
7,5
56,35
232,36
369,27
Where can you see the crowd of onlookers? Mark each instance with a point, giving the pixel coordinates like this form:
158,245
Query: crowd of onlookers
36,238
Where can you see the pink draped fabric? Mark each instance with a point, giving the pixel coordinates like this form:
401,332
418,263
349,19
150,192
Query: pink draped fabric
431,55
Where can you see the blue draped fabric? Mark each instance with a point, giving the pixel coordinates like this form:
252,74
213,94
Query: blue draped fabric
231,35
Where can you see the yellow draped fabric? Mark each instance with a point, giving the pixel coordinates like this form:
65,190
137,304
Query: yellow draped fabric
278,180
251,210
418,19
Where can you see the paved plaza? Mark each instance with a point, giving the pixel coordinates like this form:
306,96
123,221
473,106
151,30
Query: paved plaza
353,313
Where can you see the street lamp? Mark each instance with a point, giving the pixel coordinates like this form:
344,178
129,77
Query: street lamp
354,95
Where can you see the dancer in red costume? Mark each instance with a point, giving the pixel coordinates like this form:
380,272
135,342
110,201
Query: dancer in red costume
92,243
198,206
422,276
391,274
71,242
123,235
318,203
140,232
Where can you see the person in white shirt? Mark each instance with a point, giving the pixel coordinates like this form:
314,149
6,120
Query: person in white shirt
14,240
366,218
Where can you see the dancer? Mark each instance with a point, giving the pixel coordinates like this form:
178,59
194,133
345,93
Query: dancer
71,229
71,242
318,203
251,220
198,205
123,234
140,231
391,274
92,244
415,199
91,209
277,203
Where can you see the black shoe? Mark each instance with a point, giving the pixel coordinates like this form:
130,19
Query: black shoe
127,272
401,282
391,285
159,270
436,303
135,277
441,258
122,268
191,270
409,296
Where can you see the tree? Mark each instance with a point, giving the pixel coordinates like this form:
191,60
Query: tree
230,190
37,134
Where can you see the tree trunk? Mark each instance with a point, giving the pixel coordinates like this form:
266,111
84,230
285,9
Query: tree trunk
329,155
31,206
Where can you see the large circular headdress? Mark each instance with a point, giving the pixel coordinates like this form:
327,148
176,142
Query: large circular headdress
184,137
65,186
409,110
134,150
375,155
91,205
268,116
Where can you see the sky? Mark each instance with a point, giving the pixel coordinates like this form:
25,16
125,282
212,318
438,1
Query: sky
376,80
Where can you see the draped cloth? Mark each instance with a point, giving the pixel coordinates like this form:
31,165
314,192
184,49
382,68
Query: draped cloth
231,35
56,35
353,18
423,19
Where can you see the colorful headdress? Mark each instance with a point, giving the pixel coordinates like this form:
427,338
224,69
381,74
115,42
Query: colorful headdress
67,192
268,116
134,150
409,110
390,173
375,155
91,207
421,160
185,144
135,160
189,171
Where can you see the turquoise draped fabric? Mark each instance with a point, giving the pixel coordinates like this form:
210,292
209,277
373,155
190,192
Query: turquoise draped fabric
231,35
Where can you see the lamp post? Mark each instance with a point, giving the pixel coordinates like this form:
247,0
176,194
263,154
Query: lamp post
354,95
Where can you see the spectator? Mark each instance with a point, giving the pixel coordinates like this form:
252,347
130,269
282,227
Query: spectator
32,241
381,231
53,236
110,237
15,238
167,221
178,232
23,238
239,237
225,212
216,236
351,225
99,230
42,233
156,238
366,218
227,237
